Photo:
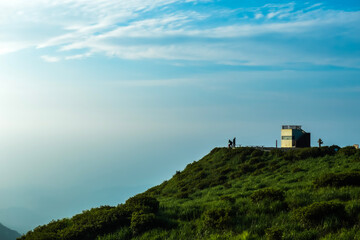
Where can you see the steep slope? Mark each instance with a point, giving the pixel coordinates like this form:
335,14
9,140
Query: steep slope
8,234
242,193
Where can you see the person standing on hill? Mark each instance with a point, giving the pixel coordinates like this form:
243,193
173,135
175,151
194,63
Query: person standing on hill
320,142
234,142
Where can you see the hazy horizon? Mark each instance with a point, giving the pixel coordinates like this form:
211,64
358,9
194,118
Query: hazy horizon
102,99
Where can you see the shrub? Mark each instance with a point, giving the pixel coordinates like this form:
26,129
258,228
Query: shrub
245,168
348,151
86,225
296,169
353,211
141,221
267,193
142,202
257,153
201,175
246,151
308,153
123,234
254,160
277,152
204,184
273,234
228,199
260,165
225,171
217,218
182,195
318,212
338,180
290,155
189,213
305,234
221,180
230,236
235,175
96,221
343,234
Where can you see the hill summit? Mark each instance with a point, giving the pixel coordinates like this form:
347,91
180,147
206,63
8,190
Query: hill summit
8,234
242,193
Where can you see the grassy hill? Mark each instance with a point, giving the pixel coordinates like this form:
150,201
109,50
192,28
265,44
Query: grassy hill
242,193
8,234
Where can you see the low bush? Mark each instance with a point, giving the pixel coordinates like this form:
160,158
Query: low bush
297,169
228,199
348,151
257,153
142,221
290,155
142,202
83,226
189,213
205,183
245,168
318,212
123,234
353,211
182,195
343,234
338,180
201,175
277,152
267,193
217,218
273,234
220,180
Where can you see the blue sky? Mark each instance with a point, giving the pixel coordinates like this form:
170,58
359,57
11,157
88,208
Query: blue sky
102,99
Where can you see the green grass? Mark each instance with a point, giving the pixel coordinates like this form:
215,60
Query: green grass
241,193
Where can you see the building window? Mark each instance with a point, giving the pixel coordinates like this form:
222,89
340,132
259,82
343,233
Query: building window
287,137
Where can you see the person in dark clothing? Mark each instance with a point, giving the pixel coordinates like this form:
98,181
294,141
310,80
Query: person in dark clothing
234,142
320,142
230,143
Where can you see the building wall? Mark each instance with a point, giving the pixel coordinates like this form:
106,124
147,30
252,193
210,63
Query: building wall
297,133
304,141
286,143
291,138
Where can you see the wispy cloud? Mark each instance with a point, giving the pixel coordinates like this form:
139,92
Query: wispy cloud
159,29
9,46
50,59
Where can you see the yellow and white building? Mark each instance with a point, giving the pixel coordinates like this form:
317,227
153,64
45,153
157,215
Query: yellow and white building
292,136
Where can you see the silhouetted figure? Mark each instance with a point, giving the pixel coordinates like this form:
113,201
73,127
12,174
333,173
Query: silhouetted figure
320,142
234,142
230,143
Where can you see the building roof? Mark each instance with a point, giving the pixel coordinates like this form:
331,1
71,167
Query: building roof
291,127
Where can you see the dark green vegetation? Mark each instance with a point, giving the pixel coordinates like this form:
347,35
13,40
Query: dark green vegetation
238,194
8,234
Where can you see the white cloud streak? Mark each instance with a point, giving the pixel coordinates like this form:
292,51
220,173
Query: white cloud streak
9,47
147,30
50,59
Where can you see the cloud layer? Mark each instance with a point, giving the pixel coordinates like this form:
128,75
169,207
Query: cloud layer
185,30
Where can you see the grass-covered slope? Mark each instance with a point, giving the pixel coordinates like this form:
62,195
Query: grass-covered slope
241,193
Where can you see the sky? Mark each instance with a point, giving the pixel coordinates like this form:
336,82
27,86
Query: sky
102,99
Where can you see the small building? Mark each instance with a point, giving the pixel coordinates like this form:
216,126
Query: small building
292,136
356,146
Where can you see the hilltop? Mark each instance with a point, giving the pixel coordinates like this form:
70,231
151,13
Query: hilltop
241,193
8,234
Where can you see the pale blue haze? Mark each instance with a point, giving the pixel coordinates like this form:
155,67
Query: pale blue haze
101,99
